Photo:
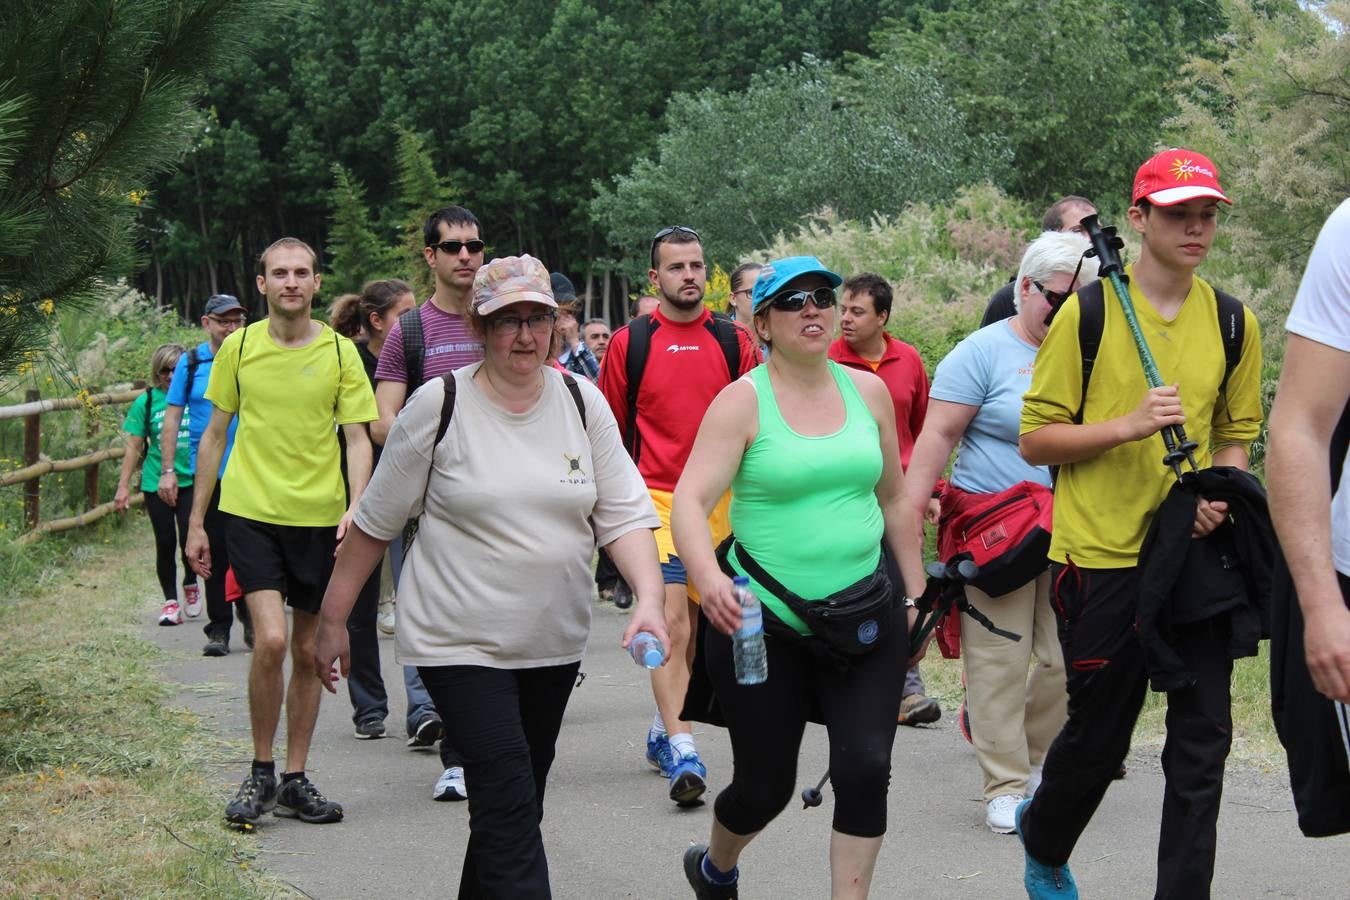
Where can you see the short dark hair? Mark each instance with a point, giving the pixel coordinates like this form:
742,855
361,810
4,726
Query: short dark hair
741,271
450,215
1054,216
676,234
874,286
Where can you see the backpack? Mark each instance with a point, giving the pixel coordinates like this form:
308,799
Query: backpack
640,330
1092,316
193,361
415,352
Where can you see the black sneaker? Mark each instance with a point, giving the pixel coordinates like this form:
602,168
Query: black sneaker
703,888
428,732
216,645
256,796
300,799
369,729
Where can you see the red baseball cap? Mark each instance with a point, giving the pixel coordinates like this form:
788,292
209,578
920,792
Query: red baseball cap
1175,176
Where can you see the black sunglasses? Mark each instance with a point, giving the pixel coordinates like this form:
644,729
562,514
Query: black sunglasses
453,247
166,370
667,232
1055,298
793,301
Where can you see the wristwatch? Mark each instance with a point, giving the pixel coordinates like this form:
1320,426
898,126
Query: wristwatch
911,603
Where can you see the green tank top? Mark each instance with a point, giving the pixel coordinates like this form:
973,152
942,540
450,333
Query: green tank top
805,508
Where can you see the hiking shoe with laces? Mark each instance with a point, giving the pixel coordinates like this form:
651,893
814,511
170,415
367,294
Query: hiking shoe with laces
660,755
688,778
703,888
300,799
427,732
998,813
192,600
916,709
450,786
256,795
1043,882
171,614
369,729
217,645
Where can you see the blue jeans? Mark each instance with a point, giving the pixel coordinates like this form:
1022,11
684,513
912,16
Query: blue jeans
419,701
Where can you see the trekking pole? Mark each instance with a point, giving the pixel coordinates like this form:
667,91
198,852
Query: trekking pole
811,796
1106,247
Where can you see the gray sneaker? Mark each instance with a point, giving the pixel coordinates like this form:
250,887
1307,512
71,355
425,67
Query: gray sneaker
256,795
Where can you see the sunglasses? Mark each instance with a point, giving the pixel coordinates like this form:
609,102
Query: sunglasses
794,301
453,247
539,324
166,370
1055,298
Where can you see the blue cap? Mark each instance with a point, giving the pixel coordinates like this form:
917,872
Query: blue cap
779,272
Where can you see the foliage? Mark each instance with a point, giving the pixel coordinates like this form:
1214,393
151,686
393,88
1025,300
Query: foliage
356,251
795,149
421,191
95,98
1076,88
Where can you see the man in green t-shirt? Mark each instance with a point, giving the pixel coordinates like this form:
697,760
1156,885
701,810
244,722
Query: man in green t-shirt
292,381
1111,482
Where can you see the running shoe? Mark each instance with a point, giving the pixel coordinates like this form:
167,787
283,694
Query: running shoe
256,795
217,645
171,614
300,799
705,889
192,600
688,778
384,618
998,813
660,755
370,729
1041,881
916,709
450,786
427,732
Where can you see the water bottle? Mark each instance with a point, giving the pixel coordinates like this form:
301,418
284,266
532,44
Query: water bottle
646,650
752,663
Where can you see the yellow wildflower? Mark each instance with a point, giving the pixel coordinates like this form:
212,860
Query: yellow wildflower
48,306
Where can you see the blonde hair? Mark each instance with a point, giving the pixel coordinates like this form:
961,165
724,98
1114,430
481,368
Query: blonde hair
165,356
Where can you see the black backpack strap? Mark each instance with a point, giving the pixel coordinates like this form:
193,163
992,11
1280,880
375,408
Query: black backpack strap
447,407
1232,330
724,330
639,348
194,360
414,348
575,391
1091,319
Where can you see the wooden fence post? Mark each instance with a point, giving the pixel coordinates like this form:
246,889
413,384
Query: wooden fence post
91,473
32,447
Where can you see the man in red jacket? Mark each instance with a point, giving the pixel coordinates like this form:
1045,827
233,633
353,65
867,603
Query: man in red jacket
864,344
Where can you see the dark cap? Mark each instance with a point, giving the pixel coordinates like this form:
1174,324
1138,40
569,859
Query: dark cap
562,287
222,303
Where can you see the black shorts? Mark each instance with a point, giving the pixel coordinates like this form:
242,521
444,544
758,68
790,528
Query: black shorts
295,560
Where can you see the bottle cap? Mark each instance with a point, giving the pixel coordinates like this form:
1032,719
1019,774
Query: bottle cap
741,581
652,657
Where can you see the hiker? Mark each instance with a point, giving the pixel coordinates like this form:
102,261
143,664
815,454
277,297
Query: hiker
143,422
742,286
293,381
975,408
1066,214
186,402
424,345
1100,430
366,318
659,375
863,344
574,354
808,449
517,474
596,335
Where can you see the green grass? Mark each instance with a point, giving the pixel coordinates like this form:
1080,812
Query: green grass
103,786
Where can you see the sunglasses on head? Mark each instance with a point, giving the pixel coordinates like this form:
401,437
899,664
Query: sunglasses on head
453,247
793,301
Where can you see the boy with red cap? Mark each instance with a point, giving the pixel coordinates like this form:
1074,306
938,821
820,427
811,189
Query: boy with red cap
1111,481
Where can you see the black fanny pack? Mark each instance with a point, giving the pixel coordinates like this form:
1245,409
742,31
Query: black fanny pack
854,620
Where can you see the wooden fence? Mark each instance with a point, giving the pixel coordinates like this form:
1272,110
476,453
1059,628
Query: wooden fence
37,464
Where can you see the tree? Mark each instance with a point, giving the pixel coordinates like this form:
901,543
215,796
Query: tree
95,98
420,193
798,146
358,255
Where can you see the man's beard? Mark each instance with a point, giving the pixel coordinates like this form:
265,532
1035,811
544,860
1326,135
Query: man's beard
679,302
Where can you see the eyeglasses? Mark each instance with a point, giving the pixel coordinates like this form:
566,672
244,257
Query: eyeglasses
1054,298
794,301
539,324
746,291
231,322
453,247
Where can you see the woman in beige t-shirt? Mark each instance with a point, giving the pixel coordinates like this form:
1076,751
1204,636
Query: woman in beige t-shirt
494,600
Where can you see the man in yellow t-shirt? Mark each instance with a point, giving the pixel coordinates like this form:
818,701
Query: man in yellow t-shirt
1111,482
292,381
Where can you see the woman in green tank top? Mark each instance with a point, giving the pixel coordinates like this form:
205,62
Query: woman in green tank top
809,451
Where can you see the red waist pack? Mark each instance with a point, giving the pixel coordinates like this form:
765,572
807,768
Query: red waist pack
1006,534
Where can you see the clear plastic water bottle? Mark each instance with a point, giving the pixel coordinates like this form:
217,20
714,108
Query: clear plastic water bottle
747,644
646,650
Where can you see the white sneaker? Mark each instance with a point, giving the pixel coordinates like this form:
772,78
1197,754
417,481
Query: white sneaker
171,614
998,813
1033,781
450,786
384,618
192,600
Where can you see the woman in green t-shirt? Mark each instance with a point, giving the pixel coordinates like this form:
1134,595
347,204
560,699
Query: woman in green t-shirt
142,426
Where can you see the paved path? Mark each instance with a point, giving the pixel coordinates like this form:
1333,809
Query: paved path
611,833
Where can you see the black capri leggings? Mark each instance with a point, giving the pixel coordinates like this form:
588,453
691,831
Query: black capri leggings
766,722
170,524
